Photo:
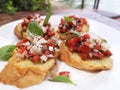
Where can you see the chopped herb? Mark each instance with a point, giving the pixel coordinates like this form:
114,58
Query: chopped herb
47,18
6,52
63,79
105,41
35,28
67,19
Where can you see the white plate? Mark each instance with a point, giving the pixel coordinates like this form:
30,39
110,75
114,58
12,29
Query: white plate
104,80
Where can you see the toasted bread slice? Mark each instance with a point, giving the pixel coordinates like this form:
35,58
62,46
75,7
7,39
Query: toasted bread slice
19,31
24,73
74,60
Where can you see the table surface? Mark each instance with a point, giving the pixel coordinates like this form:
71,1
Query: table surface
82,13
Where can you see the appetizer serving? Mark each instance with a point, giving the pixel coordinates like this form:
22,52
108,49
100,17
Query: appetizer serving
33,57
43,24
87,52
30,63
71,25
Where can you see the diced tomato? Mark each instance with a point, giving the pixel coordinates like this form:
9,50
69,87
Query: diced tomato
87,44
71,48
98,47
21,50
84,49
47,52
78,28
80,39
84,56
86,36
36,58
21,42
108,53
73,24
24,28
62,21
64,73
73,41
97,55
50,32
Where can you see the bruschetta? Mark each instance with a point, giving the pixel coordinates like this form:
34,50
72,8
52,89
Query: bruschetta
21,28
31,62
70,25
86,52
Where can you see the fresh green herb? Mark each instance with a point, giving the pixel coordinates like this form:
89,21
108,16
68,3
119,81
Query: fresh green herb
6,52
105,41
67,19
63,79
47,18
75,32
35,28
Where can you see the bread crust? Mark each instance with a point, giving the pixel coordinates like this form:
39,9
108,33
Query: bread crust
19,31
74,60
24,73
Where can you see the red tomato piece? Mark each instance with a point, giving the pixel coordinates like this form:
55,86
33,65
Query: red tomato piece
84,56
73,41
78,28
84,49
108,53
36,58
86,36
47,52
64,73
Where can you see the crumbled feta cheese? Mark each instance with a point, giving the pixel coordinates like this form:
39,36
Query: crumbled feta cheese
51,48
42,40
105,46
50,55
26,43
43,58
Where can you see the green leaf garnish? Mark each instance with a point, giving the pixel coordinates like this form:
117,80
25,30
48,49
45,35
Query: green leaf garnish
63,79
35,28
75,32
47,18
105,41
67,19
6,52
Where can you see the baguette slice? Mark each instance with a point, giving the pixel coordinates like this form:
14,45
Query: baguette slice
74,60
19,31
24,73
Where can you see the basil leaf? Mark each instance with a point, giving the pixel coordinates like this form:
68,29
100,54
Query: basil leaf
35,28
105,41
67,19
75,32
47,18
64,79
6,52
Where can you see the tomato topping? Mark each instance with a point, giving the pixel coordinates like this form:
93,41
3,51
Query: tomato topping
21,50
47,52
98,47
86,36
84,56
84,49
64,73
108,53
36,58
73,41
97,55
19,44
78,28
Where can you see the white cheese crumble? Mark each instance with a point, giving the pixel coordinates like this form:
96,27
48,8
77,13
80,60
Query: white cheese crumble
51,48
44,58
